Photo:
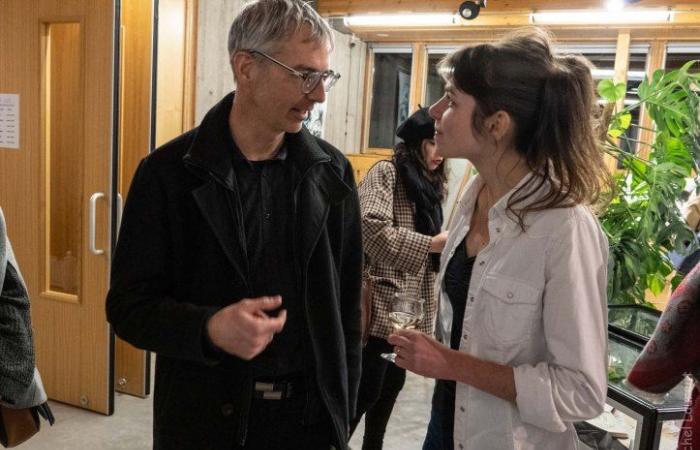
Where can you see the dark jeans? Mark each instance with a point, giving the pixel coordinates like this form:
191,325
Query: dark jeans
380,384
278,425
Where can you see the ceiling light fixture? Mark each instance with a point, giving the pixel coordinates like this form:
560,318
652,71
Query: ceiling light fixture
585,17
469,10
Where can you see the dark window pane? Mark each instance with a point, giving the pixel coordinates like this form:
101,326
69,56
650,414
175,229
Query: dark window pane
390,97
435,87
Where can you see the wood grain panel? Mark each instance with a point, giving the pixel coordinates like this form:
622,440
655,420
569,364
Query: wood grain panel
361,163
655,60
345,7
130,373
62,84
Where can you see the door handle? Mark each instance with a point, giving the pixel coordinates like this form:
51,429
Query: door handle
91,233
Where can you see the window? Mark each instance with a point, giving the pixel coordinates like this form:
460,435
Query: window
679,54
435,86
602,56
391,87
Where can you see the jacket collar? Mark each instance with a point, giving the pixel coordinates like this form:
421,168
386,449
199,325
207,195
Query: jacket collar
211,148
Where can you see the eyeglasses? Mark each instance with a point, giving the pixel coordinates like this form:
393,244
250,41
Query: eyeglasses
310,80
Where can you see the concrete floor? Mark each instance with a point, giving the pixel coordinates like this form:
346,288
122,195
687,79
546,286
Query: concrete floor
130,426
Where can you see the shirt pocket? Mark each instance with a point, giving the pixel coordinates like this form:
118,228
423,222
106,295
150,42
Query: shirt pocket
511,309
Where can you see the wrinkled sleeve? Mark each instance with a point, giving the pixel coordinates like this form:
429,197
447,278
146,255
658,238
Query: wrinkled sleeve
404,249
572,386
141,306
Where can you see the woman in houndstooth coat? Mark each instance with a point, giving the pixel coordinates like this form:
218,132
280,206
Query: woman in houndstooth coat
400,201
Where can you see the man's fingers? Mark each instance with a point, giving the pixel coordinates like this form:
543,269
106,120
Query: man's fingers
269,303
277,323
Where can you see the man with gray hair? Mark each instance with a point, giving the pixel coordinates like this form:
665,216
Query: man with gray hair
239,256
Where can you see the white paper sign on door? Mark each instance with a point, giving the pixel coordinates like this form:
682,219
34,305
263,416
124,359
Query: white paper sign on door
9,121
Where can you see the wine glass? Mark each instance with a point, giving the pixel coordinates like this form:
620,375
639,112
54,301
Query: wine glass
406,312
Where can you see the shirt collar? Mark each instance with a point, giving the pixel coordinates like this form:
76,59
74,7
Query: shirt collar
499,209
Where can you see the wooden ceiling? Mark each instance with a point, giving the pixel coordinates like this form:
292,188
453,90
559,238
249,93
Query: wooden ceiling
335,8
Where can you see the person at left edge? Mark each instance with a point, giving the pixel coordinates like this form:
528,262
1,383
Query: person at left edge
239,257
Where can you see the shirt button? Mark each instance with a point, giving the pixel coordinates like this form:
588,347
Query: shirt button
461,408
465,336
509,295
227,409
461,446
481,263
498,230
471,299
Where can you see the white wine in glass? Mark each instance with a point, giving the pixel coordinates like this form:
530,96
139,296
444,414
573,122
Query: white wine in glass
406,312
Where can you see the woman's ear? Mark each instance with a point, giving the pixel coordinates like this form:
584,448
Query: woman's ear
499,125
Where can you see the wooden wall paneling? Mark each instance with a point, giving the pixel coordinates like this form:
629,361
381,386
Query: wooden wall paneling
655,60
190,80
345,7
361,163
131,371
170,98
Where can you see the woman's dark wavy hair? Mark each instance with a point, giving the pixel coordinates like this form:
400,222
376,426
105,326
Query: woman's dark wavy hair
551,99
412,153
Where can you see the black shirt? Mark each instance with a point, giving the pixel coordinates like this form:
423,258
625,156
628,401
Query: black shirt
265,190
457,277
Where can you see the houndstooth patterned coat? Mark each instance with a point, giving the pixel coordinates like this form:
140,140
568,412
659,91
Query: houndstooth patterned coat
395,254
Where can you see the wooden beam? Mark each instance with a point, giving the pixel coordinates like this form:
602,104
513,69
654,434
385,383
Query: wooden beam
419,74
346,7
655,60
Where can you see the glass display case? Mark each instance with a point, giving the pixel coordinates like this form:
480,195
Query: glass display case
638,420
648,412
634,322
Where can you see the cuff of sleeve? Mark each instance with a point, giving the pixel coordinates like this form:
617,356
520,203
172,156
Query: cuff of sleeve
213,355
418,246
533,398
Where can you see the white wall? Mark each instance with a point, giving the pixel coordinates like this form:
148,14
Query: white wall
343,121
343,117
214,77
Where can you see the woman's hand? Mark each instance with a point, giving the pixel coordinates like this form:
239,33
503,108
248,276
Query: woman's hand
421,354
437,242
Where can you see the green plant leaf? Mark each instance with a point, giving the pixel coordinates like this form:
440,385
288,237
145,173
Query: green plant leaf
611,91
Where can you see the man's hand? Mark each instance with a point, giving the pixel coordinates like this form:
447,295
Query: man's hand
437,242
421,354
244,329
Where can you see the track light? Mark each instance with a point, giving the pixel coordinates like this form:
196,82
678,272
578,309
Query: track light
469,10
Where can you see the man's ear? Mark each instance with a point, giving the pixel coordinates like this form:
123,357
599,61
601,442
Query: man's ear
243,66
499,125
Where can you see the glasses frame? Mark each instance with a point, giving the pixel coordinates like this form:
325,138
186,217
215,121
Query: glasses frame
305,76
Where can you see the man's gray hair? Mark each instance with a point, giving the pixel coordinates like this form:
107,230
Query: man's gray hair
263,23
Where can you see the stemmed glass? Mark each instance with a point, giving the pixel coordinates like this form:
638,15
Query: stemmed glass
406,312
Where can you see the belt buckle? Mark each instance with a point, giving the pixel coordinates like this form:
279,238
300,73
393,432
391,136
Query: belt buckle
268,391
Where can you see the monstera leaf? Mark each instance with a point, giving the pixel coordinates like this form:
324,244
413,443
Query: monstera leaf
643,220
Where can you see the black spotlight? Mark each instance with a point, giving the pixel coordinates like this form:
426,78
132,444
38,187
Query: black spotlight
469,10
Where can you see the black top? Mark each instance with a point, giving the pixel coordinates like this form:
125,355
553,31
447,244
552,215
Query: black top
265,193
457,276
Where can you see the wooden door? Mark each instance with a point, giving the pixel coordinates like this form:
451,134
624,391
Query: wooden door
57,64
132,366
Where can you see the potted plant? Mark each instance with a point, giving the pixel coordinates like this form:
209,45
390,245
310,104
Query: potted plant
643,220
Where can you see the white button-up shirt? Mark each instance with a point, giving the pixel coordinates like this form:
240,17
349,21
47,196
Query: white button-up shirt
537,302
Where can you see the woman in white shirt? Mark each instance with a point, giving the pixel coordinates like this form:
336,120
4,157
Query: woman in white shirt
522,315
